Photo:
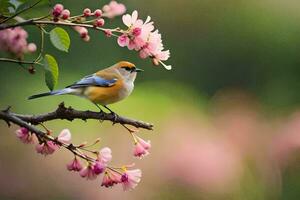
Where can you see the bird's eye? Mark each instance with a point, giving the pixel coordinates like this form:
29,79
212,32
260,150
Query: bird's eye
129,68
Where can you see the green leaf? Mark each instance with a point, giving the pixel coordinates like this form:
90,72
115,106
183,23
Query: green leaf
60,39
51,71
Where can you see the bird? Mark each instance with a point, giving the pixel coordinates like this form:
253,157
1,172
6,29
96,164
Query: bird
104,87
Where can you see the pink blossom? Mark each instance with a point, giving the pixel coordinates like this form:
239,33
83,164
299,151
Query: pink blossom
75,165
99,167
137,31
110,178
131,178
123,40
141,147
114,9
24,135
146,145
46,148
140,151
105,155
132,20
140,36
64,136
88,173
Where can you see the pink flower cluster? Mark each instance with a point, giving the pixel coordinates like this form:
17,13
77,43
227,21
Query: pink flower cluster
25,136
59,12
113,9
139,35
128,178
142,37
120,175
14,40
45,147
49,147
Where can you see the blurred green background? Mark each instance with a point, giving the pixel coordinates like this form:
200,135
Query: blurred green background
226,117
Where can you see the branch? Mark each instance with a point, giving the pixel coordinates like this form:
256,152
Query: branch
37,21
70,114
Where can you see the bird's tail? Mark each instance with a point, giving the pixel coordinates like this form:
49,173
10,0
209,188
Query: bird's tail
55,92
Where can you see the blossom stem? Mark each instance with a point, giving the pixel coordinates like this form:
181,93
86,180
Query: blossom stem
20,61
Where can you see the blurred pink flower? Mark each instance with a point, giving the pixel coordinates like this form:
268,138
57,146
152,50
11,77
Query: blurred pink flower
14,40
64,136
74,165
31,47
211,163
88,173
113,9
287,141
105,155
46,148
131,178
24,135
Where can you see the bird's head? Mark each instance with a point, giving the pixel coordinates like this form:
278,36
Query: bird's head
127,70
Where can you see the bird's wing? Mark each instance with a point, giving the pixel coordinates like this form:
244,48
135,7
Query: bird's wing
93,80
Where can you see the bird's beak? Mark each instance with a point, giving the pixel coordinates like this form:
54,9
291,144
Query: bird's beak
138,70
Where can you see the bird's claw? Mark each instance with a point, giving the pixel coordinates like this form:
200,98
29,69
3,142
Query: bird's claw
115,117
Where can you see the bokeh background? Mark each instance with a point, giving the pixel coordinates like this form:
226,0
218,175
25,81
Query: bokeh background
227,117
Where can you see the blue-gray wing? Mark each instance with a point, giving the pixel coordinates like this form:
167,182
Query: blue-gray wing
93,80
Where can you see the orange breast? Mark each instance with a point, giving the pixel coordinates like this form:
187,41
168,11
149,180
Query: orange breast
105,95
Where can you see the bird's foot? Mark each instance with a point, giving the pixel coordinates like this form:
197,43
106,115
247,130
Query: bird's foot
115,117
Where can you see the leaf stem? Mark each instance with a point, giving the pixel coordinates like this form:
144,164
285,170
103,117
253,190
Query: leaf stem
19,61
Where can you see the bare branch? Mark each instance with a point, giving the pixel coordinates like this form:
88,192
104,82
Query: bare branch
70,114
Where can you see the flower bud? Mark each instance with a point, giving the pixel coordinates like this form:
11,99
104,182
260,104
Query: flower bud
57,9
86,38
65,14
108,33
98,13
99,22
87,12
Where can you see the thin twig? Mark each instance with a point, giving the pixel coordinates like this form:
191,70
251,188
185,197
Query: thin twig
21,11
42,45
18,61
